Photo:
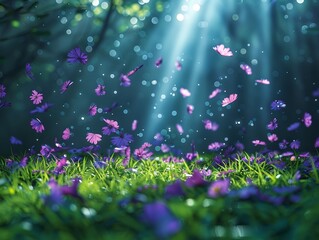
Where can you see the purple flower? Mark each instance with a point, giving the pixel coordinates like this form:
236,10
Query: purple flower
4,104
224,173
60,164
293,126
158,62
196,179
24,161
57,192
206,172
307,119
297,176
75,55
125,81
174,189
2,91
295,144
215,146
164,148
210,125
111,108
160,218
37,125
273,124
272,137
190,108
99,164
14,140
28,71
111,126
317,143
100,90
287,154
92,110
65,86
283,144
190,156
41,109
315,93
122,140
277,105
248,192
46,151
127,157
219,188
143,152
36,97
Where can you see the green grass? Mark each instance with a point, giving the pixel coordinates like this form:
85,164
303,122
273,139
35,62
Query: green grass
114,197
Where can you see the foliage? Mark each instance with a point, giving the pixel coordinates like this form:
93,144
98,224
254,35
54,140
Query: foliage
113,199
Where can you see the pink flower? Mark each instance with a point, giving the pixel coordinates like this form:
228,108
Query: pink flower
93,138
36,97
223,51
272,137
219,188
190,108
263,81
185,93
226,101
214,93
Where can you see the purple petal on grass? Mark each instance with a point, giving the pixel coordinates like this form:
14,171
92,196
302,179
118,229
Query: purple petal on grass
195,180
99,164
60,164
248,192
143,152
127,153
46,151
24,161
219,188
297,176
174,189
160,218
